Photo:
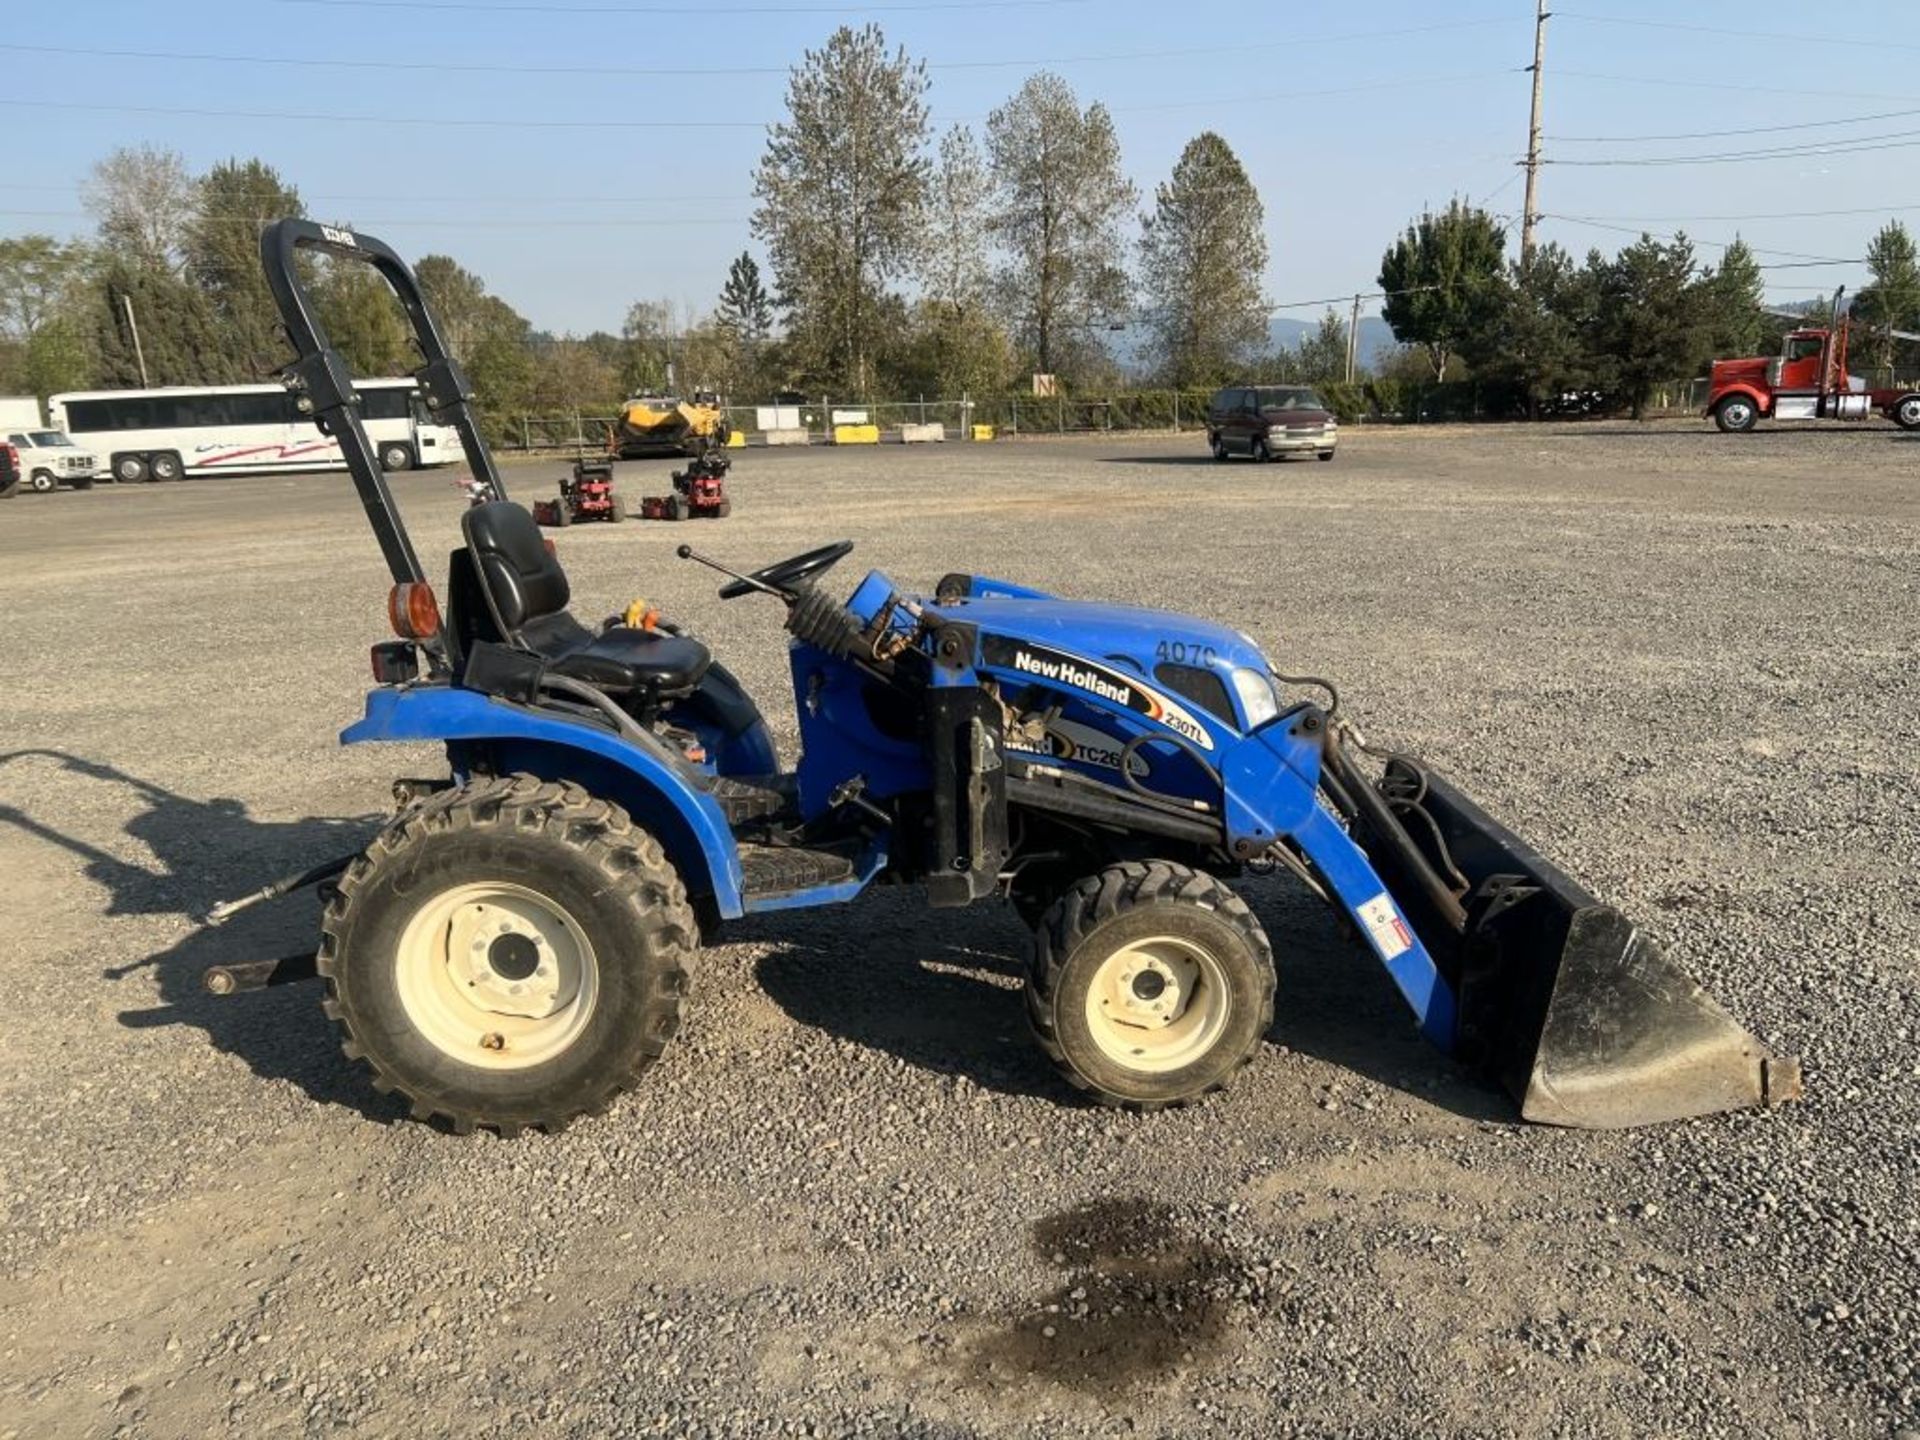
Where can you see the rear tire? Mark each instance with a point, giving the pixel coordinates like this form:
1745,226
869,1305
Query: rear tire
165,466
563,514
1736,415
574,996
723,509
41,482
1150,984
129,469
616,510
1906,412
81,482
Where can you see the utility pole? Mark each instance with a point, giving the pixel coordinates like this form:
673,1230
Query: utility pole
1353,337
1531,216
134,329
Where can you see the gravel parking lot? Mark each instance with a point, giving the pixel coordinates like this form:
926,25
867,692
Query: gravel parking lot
853,1199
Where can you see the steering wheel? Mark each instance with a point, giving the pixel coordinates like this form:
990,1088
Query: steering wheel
787,576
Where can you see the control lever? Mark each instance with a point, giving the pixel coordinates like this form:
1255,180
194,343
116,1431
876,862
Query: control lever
687,552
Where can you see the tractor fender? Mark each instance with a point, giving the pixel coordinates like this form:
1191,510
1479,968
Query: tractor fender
683,817
1762,401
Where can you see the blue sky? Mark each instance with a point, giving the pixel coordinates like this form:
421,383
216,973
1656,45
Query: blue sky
573,192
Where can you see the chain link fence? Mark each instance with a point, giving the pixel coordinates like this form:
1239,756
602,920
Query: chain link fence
1372,401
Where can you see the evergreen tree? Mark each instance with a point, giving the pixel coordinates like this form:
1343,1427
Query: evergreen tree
745,307
1203,256
1736,304
220,248
1650,313
1531,338
177,333
363,320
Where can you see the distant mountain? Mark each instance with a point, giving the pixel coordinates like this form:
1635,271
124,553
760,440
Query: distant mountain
1376,339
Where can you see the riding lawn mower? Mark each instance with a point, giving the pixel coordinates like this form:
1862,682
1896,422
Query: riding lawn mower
514,948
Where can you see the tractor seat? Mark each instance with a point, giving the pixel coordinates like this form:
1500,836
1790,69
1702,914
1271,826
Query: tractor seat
526,594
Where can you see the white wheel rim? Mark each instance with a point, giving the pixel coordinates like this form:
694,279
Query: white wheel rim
496,975
1910,412
1158,1004
1737,415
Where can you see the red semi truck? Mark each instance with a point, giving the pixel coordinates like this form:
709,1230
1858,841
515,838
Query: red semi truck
1808,380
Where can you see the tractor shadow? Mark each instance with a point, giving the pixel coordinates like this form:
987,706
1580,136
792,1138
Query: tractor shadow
941,991
205,851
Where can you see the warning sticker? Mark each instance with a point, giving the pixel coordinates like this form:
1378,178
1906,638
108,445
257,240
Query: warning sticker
1390,933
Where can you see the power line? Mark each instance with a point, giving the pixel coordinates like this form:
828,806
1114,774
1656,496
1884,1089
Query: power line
1800,260
1716,134
1764,215
651,10
397,222
1740,33
502,122
1772,90
1893,140
93,52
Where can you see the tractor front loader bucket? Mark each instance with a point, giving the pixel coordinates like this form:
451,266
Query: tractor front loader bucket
1577,1013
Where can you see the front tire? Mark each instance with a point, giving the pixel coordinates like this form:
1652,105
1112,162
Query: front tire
1259,451
1326,454
395,457
1151,984
510,954
41,482
1219,447
1736,415
1906,412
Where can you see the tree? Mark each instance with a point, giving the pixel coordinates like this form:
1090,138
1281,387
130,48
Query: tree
1891,300
363,319
37,280
744,320
648,337
1531,338
745,307
177,333
1203,254
1649,313
1735,302
1441,279
840,189
458,300
221,249
956,345
141,196
1060,199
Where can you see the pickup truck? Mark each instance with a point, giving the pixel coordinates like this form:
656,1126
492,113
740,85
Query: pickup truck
48,460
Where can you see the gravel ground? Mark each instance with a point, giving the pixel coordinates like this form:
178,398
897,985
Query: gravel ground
853,1199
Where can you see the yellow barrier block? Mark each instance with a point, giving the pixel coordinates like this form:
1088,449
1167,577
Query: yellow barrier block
983,432
737,440
856,434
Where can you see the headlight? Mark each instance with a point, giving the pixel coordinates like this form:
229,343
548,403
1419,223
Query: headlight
1331,423
1256,696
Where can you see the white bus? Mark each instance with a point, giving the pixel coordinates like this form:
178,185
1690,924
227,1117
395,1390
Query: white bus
242,429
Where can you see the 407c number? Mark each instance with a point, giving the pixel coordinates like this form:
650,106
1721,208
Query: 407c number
1184,652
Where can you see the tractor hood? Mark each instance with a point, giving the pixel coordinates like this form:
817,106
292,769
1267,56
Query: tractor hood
1127,634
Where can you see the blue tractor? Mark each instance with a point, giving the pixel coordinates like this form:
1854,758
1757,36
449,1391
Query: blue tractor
514,949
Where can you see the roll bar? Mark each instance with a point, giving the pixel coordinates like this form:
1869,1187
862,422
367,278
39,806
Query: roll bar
323,388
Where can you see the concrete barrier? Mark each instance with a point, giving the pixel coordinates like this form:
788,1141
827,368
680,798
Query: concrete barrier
856,434
931,433
786,437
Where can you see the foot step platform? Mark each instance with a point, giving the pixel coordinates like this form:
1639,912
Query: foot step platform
782,869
